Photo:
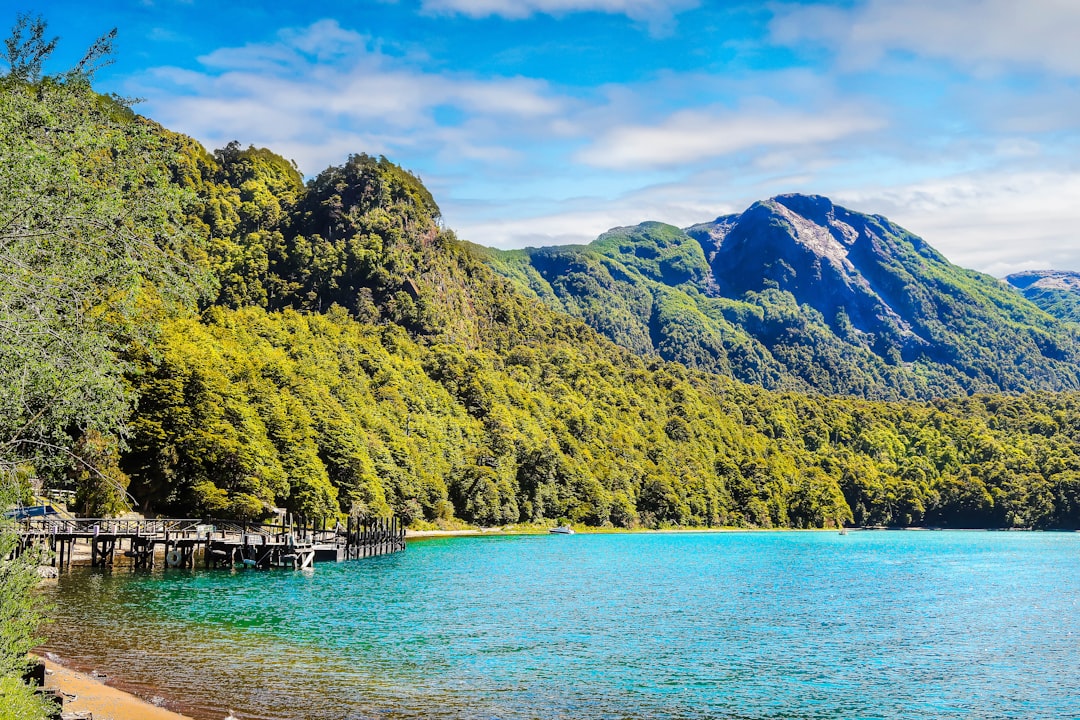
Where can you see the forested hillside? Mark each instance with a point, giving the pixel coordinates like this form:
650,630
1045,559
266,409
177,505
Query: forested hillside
798,293
329,347
320,412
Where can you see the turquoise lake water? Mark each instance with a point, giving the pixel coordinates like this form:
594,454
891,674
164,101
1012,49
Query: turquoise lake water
719,625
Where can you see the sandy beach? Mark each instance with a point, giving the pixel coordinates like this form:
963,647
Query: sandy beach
105,702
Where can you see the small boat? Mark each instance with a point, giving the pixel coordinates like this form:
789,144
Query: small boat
562,530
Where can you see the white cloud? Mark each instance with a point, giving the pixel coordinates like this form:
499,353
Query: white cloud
649,11
687,200
322,41
515,96
997,223
985,176
315,86
578,221
560,228
325,39
981,35
691,136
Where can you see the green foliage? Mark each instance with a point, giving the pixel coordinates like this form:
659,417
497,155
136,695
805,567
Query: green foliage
308,412
18,701
1057,292
1064,304
21,612
100,484
91,240
323,414
26,49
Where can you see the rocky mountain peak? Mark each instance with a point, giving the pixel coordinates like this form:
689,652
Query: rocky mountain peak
815,226
799,291
805,245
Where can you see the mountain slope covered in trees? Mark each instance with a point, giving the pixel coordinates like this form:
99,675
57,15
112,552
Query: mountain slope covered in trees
798,293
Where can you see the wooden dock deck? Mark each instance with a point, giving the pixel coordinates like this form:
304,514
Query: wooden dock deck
221,543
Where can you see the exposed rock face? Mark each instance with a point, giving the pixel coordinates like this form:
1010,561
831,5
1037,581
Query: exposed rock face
866,276
826,256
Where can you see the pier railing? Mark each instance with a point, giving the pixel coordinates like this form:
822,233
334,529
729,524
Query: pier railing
177,527
110,526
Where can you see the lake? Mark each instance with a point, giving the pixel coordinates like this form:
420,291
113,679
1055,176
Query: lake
873,624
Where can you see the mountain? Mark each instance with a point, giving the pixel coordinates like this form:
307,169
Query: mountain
799,293
1055,291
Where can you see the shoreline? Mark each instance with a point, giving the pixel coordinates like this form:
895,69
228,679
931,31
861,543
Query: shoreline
588,530
85,692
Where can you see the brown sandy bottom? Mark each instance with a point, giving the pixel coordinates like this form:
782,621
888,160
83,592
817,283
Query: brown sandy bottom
104,701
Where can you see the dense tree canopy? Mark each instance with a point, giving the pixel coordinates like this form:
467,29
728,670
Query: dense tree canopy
321,413
89,226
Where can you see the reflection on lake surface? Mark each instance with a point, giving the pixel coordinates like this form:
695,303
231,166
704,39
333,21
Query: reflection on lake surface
719,625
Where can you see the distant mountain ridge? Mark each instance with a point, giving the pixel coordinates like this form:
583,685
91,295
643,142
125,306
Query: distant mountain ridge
1055,291
799,293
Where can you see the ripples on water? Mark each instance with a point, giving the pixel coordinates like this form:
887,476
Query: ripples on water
727,625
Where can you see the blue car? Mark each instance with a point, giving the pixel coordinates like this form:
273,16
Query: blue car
21,513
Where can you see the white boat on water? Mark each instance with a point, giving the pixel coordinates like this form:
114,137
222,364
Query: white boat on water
562,530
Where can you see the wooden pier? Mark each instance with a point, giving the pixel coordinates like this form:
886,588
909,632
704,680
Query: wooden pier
221,543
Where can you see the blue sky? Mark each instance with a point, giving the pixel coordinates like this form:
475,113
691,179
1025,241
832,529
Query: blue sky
538,122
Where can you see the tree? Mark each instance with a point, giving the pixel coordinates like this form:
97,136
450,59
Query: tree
91,238
101,487
92,244
26,48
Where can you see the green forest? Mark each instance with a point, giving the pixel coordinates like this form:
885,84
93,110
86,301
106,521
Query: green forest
201,333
